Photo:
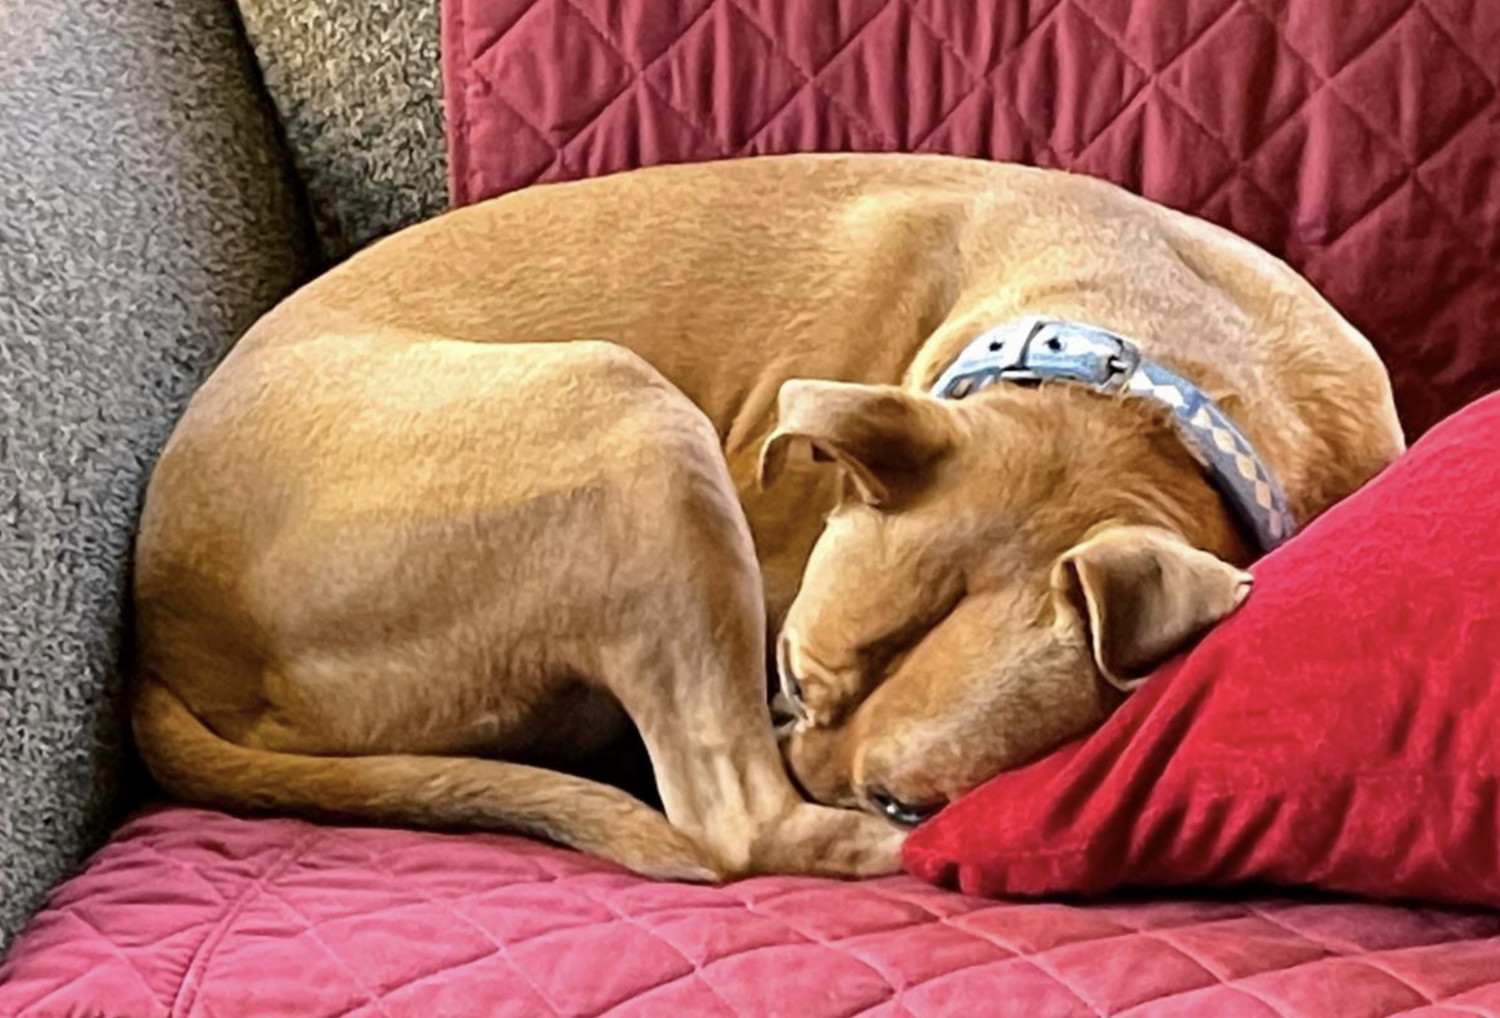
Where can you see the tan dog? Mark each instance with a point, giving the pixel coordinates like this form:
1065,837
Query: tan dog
423,536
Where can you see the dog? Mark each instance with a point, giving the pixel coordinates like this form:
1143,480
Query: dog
965,448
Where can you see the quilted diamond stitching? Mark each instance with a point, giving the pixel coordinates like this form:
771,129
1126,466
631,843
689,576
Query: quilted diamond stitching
1213,135
1169,101
866,924
203,955
533,128
1447,29
1409,172
1223,182
604,76
1237,170
500,948
1037,959
1356,29
984,84
1372,960
813,937
812,76
1460,85
1011,955
1330,86
1111,45
694,972
640,80
1153,79
1234,984
336,959
1147,52
96,935
1453,1007
642,75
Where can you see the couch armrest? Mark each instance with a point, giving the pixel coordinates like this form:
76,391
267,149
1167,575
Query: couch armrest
147,217
357,89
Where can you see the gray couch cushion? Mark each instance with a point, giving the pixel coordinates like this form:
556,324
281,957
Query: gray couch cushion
149,217
357,84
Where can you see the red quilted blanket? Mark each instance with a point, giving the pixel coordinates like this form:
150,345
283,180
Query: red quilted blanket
190,913
1360,141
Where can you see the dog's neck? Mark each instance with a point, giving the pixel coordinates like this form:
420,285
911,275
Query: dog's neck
1032,352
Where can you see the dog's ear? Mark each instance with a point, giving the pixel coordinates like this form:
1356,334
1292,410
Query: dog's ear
881,436
1143,594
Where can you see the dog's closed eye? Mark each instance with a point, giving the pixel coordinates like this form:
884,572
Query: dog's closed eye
903,813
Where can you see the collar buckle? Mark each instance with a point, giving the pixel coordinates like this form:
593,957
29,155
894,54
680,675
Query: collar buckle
1036,350
1077,353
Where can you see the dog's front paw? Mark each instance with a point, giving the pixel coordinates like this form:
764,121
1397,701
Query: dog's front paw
828,842
825,700
814,696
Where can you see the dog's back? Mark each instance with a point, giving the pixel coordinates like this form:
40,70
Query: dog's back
732,277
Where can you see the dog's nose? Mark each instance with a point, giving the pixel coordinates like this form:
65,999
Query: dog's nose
904,813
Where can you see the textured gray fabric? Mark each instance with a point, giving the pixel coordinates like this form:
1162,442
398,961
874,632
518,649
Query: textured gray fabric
358,87
148,218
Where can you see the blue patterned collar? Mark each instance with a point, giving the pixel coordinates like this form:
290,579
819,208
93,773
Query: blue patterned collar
1038,350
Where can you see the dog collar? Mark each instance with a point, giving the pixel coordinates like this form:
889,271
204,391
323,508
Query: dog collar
1037,350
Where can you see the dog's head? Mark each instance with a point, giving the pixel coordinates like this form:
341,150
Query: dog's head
997,575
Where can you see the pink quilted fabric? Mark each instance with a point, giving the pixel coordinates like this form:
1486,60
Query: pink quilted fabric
192,913
1360,142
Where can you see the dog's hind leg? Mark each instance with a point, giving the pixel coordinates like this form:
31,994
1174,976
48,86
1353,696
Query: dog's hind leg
353,605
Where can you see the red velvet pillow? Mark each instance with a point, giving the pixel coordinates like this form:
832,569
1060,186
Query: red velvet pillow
1342,730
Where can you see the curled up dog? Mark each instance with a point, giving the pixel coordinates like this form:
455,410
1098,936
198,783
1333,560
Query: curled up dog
970,447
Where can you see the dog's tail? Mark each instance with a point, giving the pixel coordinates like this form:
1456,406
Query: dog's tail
198,766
